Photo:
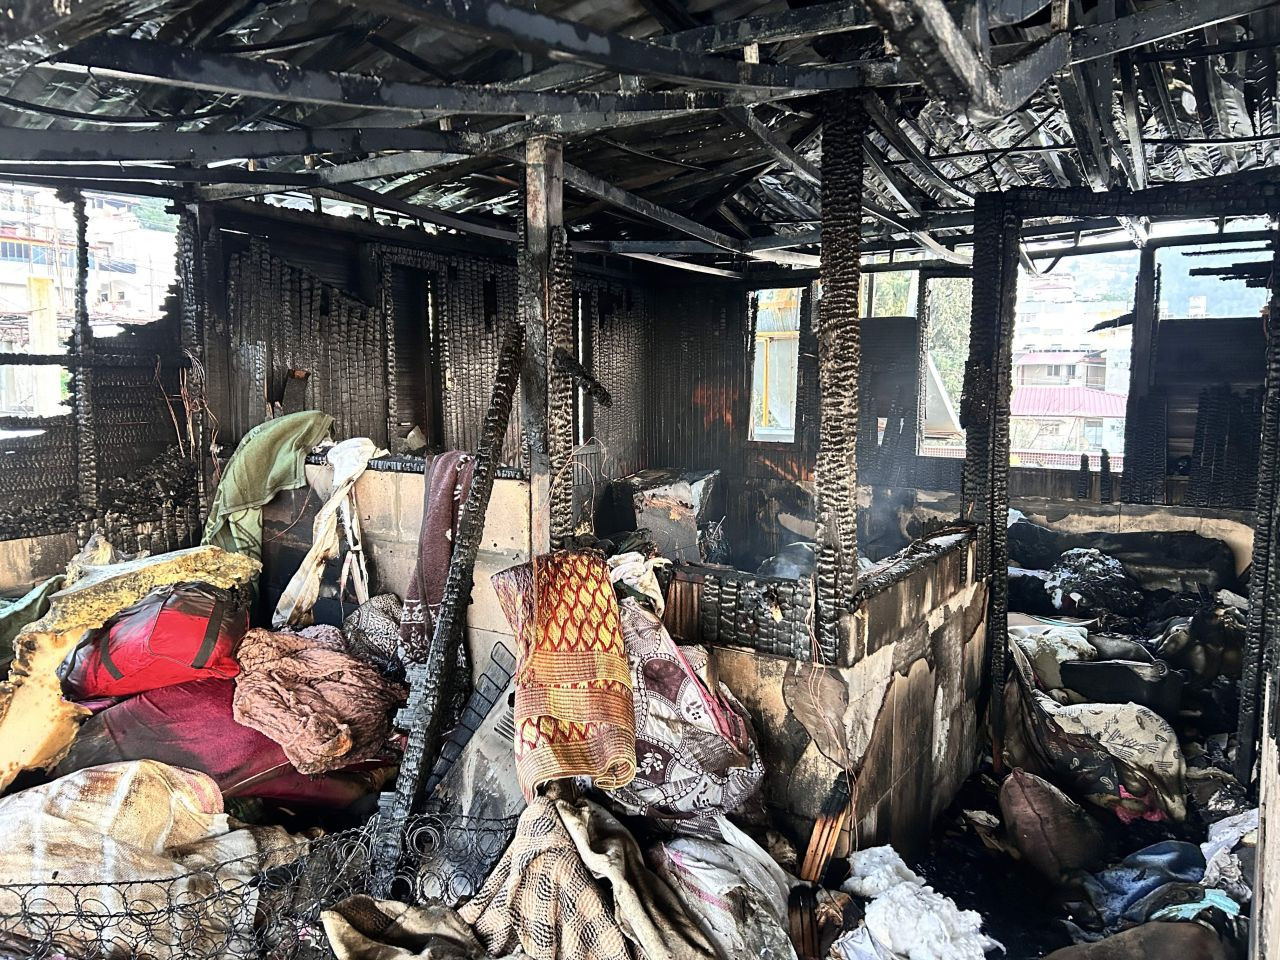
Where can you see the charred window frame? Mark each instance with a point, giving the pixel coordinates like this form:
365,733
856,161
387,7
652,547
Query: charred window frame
779,331
999,219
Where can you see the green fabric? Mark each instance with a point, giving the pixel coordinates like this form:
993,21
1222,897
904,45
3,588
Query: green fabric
27,609
271,458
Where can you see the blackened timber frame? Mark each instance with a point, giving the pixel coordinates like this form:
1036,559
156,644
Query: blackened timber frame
998,220
836,469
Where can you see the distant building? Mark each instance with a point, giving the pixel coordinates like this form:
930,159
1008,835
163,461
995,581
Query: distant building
1061,404
131,267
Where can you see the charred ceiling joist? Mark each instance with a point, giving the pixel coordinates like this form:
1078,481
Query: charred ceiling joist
21,144
529,30
957,63
271,80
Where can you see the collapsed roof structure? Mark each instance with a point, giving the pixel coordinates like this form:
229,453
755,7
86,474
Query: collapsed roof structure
546,234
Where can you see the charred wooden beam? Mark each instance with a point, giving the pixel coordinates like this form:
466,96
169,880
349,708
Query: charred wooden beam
74,361
1138,482
34,31
780,150
785,25
22,144
985,418
351,191
423,716
836,471
1133,125
393,165
100,172
593,186
538,33
1259,661
193,69
1159,22
937,50
878,111
544,218
687,265
799,23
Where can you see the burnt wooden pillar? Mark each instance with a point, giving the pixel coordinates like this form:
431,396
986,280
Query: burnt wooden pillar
836,473
1143,479
1258,668
215,341
192,337
984,414
85,438
546,298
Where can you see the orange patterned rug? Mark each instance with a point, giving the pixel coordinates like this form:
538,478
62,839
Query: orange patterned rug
574,714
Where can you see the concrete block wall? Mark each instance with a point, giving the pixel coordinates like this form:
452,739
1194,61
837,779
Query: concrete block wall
390,509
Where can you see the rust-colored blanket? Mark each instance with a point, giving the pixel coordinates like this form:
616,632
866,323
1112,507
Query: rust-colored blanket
323,706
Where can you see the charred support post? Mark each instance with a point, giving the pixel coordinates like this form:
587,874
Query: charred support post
429,679
1139,483
191,268
546,406
985,418
1259,664
836,473
85,444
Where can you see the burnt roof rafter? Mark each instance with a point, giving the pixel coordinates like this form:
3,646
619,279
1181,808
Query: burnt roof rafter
184,67
538,33
22,144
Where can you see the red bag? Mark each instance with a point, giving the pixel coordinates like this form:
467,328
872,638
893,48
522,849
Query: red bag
191,725
187,631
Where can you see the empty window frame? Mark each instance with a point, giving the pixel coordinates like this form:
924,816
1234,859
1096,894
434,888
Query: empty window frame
776,357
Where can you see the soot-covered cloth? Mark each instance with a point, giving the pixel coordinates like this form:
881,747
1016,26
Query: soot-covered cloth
323,706
695,755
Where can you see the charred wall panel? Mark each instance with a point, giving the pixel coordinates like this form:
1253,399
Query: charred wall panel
1208,374
284,318
133,425
39,468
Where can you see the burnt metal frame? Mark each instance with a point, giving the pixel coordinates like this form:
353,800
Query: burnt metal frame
985,410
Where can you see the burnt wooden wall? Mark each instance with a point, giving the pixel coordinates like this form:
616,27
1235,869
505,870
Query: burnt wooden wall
132,425
1208,374
400,329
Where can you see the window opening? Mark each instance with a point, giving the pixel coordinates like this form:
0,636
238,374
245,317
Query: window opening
1071,362
950,304
776,364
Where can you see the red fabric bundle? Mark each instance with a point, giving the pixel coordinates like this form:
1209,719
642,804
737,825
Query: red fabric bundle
177,633
191,725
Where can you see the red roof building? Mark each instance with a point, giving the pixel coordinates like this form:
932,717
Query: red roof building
1066,402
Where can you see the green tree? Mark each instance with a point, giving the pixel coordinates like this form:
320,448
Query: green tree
151,214
950,305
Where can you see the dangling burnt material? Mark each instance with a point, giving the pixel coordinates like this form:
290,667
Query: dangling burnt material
429,678
836,473
560,386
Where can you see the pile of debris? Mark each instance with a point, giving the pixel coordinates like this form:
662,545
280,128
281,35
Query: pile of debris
1120,802
598,796
166,484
